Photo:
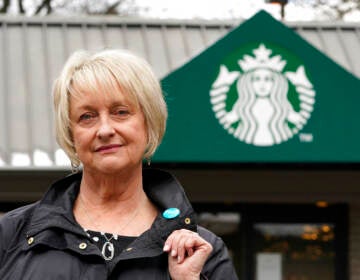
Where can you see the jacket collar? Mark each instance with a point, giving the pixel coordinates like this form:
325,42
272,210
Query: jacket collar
55,210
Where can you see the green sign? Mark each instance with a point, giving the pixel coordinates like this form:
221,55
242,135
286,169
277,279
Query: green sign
261,94
256,100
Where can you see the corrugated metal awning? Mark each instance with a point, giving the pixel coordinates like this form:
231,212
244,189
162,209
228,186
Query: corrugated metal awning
33,50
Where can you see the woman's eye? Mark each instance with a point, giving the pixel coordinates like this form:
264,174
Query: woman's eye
85,117
123,112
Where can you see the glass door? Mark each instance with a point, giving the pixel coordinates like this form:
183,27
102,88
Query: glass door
294,251
282,241
297,242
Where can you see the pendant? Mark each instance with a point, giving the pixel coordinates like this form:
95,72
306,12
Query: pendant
108,251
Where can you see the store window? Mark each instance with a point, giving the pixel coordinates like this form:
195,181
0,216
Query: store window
292,251
227,226
282,242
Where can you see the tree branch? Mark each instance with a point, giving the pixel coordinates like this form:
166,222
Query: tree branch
5,7
111,10
44,4
21,7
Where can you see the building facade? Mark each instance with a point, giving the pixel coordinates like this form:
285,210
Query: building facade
262,129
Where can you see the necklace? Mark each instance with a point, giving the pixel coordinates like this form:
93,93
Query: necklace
108,249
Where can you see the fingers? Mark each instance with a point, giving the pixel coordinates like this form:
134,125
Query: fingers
185,246
184,243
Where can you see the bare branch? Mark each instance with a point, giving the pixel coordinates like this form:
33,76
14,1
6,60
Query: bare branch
5,7
21,7
111,10
44,4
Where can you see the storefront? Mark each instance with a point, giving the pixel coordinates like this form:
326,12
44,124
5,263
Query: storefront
266,100
261,132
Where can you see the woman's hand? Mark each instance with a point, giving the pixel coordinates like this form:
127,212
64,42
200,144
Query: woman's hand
188,253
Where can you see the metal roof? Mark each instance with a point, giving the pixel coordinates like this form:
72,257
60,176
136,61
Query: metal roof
33,50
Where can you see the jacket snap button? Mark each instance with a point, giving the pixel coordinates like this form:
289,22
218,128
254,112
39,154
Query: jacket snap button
187,221
30,240
82,245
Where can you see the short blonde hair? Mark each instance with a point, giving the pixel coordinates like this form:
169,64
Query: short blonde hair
112,70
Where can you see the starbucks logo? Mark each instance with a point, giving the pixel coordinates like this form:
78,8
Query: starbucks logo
259,100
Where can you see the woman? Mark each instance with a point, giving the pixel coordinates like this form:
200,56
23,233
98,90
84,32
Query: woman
113,220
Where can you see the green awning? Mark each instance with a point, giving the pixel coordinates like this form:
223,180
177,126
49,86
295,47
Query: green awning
261,94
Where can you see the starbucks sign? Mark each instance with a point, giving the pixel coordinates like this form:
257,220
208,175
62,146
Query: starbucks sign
262,94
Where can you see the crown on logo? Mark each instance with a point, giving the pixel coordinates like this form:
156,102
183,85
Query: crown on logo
262,59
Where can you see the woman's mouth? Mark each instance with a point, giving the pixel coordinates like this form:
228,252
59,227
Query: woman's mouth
108,148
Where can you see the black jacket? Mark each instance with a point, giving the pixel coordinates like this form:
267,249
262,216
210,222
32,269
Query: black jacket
43,240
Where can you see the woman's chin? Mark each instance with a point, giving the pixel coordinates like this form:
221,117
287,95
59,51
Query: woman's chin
111,166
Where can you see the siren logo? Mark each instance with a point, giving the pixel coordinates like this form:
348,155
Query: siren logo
258,99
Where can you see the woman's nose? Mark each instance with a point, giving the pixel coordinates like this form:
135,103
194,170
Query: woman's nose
105,130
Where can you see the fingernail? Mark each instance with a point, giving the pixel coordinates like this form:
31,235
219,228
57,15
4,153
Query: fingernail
166,248
173,253
178,259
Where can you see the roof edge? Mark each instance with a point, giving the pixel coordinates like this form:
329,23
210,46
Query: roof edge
118,20
53,19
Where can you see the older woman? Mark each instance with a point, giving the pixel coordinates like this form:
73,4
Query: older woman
112,220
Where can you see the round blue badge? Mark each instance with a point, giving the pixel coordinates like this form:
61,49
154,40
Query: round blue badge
171,213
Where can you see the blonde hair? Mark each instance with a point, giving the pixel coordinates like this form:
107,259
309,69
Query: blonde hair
112,70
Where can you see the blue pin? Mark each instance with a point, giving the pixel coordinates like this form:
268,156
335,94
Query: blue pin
171,213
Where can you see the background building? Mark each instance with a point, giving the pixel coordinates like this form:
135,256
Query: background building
288,210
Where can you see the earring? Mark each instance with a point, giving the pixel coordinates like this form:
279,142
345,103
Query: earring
74,168
148,161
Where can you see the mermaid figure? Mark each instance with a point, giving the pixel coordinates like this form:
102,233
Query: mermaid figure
262,108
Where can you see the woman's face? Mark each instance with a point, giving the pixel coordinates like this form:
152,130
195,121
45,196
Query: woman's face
262,81
109,133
